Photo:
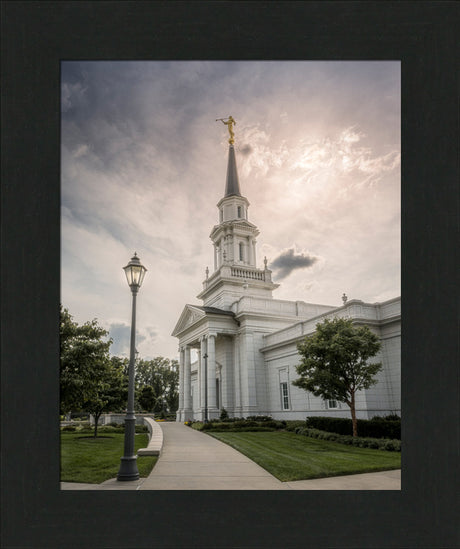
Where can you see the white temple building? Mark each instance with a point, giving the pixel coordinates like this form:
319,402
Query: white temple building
246,341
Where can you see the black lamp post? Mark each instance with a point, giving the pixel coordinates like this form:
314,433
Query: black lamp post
135,273
205,356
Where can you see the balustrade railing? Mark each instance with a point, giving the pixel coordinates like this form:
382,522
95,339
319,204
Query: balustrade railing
241,272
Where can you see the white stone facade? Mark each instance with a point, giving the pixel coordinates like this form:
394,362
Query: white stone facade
244,342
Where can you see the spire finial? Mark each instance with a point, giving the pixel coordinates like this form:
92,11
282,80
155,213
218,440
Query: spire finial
344,298
229,122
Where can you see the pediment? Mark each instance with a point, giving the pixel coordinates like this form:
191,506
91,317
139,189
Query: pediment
190,316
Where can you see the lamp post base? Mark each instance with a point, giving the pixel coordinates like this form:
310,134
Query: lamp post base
128,469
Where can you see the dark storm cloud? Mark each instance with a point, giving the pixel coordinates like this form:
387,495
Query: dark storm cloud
245,150
288,261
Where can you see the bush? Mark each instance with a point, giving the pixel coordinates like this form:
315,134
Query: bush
108,429
377,427
359,442
223,414
69,428
291,425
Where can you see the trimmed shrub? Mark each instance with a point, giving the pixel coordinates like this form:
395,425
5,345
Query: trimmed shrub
108,429
260,418
375,428
291,424
359,442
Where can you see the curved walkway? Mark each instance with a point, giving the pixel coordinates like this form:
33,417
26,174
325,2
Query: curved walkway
191,460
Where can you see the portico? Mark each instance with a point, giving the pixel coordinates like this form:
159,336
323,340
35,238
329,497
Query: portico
205,333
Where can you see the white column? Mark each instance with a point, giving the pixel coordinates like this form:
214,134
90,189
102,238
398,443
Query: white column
237,374
196,404
202,379
181,385
250,251
254,259
248,375
215,257
212,373
187,386
236,250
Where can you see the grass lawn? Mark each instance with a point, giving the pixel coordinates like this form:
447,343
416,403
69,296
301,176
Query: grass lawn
288,456
94,460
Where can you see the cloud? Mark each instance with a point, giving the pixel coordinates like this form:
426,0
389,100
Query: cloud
245,150
121,336
289,261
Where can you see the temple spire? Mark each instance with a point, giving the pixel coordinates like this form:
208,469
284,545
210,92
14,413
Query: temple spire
232,186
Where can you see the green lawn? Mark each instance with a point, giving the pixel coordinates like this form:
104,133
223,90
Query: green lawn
94,460
288,456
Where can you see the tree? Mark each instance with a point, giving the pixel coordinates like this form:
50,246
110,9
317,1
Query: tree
110,391
334,362
157,382
83,364
147,399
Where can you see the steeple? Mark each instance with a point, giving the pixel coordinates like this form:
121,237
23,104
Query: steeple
234,239
232,186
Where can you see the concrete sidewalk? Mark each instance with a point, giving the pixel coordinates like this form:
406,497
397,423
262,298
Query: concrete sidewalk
191,460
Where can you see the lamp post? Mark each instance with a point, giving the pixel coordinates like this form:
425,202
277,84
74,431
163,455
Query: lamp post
135,273
205,356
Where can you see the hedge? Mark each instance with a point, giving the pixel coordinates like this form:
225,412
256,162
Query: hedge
266,424
361,442
375,427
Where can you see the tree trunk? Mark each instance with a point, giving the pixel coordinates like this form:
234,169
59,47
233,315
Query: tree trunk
96,421
353,415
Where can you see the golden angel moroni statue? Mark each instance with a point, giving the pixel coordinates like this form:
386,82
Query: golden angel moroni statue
230,121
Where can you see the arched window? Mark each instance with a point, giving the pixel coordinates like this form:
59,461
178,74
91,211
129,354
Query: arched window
239,211
241,247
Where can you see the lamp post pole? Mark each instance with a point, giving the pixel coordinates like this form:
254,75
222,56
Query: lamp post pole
135,273
205,356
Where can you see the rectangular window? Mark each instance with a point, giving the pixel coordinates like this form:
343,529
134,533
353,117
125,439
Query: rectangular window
239,211
332,403
284,396
241,251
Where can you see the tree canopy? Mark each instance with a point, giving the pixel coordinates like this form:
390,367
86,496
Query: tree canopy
335,362
109,391
157,382
84,361
92,381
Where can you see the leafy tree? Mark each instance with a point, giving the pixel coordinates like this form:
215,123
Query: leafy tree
147,399
157,382
84,358
110,391
334,362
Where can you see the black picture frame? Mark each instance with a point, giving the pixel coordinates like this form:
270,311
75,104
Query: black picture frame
36,36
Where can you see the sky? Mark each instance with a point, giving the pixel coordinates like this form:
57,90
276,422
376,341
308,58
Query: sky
143,165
